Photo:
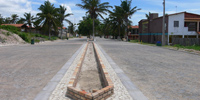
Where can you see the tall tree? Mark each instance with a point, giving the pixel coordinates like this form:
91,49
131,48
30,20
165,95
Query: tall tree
128,12
29,19
21,21
1,19
117,17
14,18
48,17
63,16
95,8
7,20
147,15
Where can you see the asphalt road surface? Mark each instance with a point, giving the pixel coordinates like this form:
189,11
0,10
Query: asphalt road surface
161,74
26,69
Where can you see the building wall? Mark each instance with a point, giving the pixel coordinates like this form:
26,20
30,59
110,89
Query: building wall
156,25
181,30
151,31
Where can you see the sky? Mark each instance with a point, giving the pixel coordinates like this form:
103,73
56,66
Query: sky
9,7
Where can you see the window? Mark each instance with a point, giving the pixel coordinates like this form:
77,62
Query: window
176,23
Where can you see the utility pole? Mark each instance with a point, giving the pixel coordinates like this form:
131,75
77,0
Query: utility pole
163,26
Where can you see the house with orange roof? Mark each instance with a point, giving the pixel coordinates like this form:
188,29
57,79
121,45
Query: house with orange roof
22,27
133,32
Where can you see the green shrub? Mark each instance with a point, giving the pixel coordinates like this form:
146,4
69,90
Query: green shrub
25,37
9,28
8,33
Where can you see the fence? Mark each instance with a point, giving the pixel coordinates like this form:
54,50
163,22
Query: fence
186,41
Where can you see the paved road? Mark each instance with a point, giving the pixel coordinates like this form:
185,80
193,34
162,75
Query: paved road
161,74
26,69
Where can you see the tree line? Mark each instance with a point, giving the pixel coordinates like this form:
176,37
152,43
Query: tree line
49,18
116,24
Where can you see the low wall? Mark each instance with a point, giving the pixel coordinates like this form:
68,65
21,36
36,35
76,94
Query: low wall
186,41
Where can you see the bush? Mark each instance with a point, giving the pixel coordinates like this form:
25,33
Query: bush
9,28
25,37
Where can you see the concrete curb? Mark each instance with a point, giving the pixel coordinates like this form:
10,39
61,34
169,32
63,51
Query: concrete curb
48,89
134,92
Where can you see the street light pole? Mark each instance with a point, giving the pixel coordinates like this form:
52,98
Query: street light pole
163,26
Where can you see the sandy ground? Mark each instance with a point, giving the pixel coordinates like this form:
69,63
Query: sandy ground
89,78
26,69
8,38
161,74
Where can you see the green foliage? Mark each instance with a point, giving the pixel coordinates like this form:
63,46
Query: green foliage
195,47
48,17
134,41
25,36
85,26
9,28
8,33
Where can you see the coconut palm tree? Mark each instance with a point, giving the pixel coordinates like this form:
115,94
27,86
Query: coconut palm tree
128,12
29,19
7,20
117,17
148,15
14,18
63,16
95,8
21,21
48,17
1,19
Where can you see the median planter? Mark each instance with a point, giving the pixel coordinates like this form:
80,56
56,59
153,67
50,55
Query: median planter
79,94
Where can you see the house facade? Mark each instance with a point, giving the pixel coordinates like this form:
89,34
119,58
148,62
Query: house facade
133,32
179,25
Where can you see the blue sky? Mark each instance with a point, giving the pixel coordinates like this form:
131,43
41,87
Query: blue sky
8,7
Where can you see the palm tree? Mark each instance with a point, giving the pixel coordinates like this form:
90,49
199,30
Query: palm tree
117,18
7,20
148,15
14,18
48,17
62,17
29,19
1,19
71,28
95,9
21,21
128,12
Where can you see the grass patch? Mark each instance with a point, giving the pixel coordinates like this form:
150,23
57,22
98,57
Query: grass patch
25,36
195,47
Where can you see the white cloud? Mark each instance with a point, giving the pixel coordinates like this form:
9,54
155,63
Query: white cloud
52,1
19,7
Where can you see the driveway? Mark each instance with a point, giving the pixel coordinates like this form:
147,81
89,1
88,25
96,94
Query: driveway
26,69
161,74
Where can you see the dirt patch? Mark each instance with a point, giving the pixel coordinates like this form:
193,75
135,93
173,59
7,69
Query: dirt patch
89,78
8,38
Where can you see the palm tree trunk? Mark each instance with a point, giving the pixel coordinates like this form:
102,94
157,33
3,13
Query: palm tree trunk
126,30
93,27
61,32
119,33
30,28
49,33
